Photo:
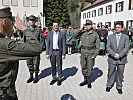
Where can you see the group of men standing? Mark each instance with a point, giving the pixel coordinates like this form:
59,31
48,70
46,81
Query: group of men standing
12,51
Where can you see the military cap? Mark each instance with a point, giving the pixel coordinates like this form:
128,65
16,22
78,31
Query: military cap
88,22
32,17
5,12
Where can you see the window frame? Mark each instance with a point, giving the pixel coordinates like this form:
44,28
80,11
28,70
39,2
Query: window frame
122,6
32,4
5,4
13,4
109,11
130,7
94,13
100,11
26,5
84,15
88,14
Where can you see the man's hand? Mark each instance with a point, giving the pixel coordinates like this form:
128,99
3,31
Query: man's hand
47,56
20,24
63,57
117,56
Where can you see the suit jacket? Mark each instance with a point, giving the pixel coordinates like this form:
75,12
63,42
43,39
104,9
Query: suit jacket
122,49
61,43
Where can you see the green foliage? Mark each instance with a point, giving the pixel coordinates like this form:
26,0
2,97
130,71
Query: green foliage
56,11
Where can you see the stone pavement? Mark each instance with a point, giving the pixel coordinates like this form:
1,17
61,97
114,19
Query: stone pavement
70,89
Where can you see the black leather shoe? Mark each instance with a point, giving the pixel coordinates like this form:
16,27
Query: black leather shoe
35,80
119,91
30,80
52,82
89,86
83,83
108,89
59,83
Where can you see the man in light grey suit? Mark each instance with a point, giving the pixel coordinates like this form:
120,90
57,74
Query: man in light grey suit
56,51
117,47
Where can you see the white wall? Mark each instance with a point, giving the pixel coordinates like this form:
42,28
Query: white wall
20,9
114,16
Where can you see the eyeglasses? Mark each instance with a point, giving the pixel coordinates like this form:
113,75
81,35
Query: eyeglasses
117,27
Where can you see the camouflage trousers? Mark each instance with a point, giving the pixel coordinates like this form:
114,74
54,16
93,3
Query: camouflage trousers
87,63
33,64
8,94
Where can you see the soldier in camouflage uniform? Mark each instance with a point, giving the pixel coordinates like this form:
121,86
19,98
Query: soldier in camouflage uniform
11,51
89,50
33,63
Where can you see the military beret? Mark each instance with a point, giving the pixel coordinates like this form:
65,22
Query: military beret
32,17
5,12
88,22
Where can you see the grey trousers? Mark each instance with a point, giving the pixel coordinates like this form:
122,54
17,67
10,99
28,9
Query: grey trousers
56,58
115,74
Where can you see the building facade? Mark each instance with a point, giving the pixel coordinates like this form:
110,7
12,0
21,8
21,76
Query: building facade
107,12
24,8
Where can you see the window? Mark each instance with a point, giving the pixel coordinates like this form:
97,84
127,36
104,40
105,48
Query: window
14,2
84,15
5,2
94,13
26,3
88,14
34,3
108,9
119,6
100,11
130,4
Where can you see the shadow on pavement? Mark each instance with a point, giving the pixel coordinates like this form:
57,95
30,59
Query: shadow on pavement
66,72
69,72
96,73
67,97
46,72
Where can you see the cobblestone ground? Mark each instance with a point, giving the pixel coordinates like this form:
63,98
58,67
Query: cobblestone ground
70,89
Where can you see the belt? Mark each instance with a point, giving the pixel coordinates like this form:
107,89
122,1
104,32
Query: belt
55,49
87,48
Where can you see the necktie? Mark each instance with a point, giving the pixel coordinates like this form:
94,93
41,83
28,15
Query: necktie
118,39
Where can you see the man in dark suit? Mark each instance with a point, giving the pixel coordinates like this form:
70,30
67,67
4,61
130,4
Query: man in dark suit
117,47
56,51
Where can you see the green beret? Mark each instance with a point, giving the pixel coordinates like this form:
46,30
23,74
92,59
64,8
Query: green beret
32,17
5,12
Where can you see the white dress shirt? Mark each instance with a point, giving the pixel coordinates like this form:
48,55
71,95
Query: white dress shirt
55,40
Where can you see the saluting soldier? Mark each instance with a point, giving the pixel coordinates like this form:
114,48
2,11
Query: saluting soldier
89,50
11,51
34,63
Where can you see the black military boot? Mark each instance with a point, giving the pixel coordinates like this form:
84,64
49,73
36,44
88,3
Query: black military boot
84,82
89,82
36,78
31,78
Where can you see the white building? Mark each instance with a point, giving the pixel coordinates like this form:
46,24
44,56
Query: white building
108,12
22,7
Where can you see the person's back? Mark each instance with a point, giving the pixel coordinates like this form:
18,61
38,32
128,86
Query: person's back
11,51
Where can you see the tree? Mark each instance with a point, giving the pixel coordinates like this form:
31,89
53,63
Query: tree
56,11
74,9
